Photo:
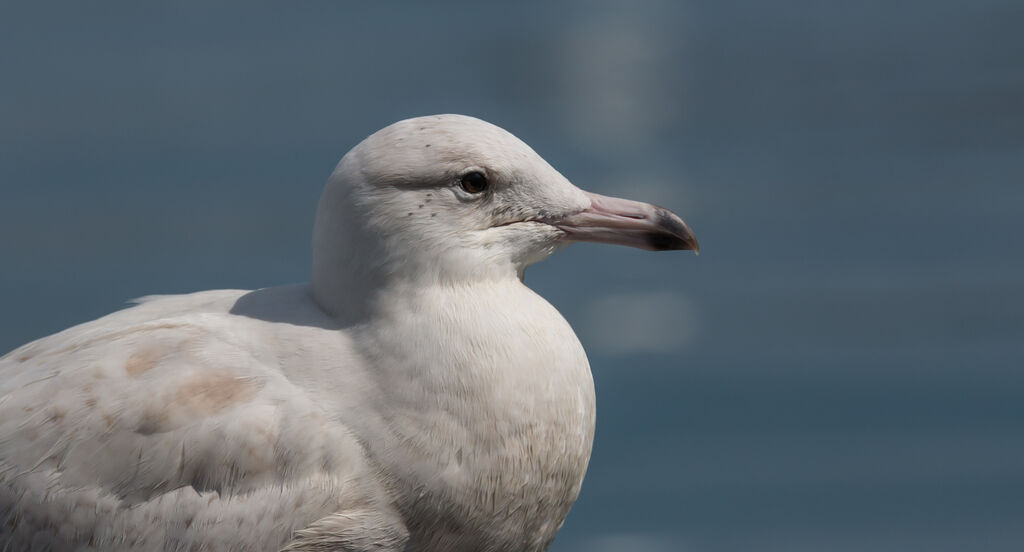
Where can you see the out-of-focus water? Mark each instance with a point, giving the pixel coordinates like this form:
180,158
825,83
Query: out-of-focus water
841,367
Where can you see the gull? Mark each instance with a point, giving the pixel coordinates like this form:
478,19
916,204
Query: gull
415,395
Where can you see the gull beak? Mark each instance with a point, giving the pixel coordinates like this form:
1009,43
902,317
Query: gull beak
626,222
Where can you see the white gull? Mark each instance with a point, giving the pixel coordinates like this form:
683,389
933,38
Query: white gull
414,396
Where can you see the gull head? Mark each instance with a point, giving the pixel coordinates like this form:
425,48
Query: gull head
450,198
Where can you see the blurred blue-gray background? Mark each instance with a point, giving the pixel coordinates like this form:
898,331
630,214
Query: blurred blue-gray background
841,369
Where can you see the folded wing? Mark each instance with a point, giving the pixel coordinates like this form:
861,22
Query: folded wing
170,433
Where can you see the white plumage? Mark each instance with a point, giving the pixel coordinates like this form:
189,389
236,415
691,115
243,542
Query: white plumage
414,396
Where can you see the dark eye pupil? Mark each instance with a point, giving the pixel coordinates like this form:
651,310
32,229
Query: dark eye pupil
474,182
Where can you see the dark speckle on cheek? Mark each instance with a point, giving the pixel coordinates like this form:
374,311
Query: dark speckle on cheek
432,215
421,206
427,200
427,146
409,215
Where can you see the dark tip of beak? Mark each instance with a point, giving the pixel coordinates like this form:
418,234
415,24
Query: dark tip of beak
672,235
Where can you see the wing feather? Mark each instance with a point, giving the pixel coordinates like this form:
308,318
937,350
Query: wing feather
171,433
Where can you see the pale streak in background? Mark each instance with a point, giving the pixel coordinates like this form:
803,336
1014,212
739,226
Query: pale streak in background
640,322
609,63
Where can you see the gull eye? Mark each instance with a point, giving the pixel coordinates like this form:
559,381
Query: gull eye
474,182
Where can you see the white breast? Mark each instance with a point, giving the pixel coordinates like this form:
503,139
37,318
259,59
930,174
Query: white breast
489,414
